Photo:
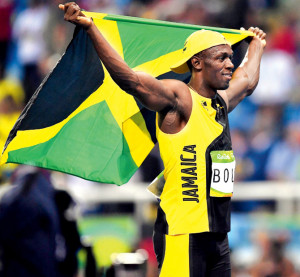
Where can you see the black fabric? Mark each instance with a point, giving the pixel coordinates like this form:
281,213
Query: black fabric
219,208
159,244
161,224
172,75
159,241
77,75
209,255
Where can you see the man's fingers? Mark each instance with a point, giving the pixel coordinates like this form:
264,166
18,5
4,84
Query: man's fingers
259,34
71,9
74,16
254,30
64,7
68,6
82,19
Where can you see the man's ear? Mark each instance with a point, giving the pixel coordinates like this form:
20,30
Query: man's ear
196,63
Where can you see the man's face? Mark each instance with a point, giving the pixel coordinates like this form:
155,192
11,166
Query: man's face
217,66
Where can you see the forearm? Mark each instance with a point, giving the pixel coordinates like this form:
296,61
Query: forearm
119,71
251,64
246,76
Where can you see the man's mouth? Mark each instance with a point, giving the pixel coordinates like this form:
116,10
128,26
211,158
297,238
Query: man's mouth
228,75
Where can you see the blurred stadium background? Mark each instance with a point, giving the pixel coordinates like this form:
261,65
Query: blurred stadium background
265,128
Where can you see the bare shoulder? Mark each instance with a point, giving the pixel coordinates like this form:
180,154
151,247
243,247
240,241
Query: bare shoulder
179,88
182,94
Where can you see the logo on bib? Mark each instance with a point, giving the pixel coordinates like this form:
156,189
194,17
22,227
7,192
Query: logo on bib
222,179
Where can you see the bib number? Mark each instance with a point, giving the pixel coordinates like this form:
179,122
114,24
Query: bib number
223,165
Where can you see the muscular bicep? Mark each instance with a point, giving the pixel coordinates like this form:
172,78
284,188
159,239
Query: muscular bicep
155,94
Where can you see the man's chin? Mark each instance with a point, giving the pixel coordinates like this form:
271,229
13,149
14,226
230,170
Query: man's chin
224,87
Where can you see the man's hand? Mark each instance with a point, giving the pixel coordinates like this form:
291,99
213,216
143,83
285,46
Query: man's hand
260,35
74,15
246,76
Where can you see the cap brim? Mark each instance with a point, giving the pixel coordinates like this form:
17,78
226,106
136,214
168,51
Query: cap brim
181,67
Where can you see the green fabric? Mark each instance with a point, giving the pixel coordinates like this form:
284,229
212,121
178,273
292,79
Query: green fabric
153,38
146,48
83,143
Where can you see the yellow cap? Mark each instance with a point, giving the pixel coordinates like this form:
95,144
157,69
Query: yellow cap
195,43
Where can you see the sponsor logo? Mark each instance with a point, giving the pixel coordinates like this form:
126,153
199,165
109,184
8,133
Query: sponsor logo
223,157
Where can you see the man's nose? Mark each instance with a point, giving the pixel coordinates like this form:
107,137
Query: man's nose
229,64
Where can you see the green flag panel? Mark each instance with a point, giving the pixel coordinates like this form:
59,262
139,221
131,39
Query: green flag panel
82,148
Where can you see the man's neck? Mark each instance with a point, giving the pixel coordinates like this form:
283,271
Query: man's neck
202,89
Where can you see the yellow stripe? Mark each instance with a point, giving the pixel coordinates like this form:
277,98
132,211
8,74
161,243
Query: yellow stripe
137,137
176,260
160,65
95,15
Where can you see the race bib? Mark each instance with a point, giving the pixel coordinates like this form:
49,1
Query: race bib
223,165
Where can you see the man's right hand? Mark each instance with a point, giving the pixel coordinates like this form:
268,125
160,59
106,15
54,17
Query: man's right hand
74,15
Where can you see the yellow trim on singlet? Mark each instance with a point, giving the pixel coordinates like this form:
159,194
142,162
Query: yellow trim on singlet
183,199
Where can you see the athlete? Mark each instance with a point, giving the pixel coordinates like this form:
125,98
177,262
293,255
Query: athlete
190,236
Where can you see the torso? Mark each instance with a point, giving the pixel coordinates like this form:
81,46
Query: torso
188,203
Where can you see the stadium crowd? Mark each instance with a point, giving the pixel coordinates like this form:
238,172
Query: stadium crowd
265,128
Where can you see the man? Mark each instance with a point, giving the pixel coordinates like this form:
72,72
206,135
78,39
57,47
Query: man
190,236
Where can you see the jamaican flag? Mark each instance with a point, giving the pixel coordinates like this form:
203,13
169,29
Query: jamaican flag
80,122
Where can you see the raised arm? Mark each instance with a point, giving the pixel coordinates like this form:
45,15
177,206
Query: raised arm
154,94
246,76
